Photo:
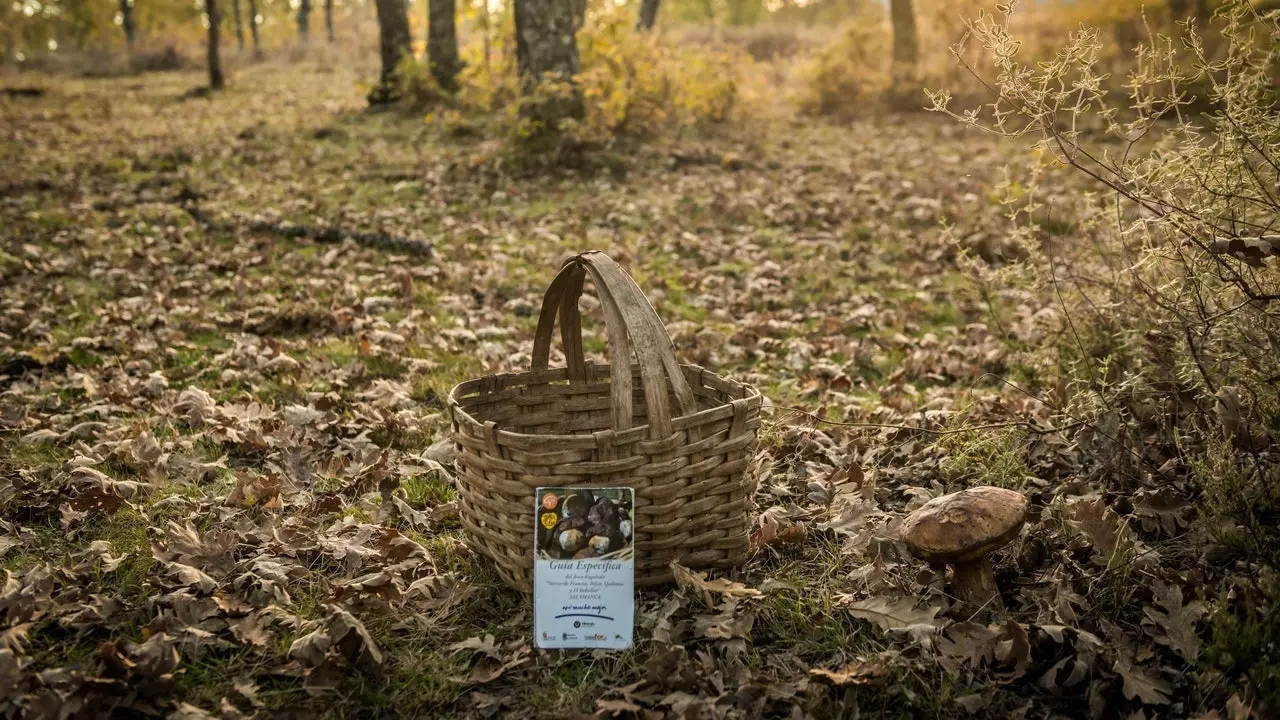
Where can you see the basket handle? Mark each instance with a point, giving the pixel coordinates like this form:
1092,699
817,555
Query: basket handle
631,324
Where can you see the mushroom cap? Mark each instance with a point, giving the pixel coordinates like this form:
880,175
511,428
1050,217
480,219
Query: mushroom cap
572,540
965,526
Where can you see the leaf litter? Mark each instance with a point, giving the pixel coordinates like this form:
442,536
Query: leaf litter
226,485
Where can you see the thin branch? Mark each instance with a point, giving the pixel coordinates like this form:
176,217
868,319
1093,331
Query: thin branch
888,426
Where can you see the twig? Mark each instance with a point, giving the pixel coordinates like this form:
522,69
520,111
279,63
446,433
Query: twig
993,426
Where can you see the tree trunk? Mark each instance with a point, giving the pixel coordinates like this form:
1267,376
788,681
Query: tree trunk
484,28
304,21
216,80
235,12
442,44
253,26
906,44
546,49
126,22
648,14
328,18
394,38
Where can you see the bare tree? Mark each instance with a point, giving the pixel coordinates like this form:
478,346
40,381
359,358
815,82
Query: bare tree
906,43
235,12
648,14
253,27
328,18
546,49
442,43
304,21
126,22
395,41
216,80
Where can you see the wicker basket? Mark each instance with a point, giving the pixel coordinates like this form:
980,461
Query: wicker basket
590,425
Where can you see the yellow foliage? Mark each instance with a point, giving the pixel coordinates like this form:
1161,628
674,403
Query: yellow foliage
638,83
840,78
632,83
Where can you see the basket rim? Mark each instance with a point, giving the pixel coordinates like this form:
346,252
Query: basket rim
752,397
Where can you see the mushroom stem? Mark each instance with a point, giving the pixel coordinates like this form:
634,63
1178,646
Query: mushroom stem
975,583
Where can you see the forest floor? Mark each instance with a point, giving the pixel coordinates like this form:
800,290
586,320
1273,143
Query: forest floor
225,485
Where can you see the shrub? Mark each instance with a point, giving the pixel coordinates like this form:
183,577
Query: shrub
1171,356
764,44
634,85
841,77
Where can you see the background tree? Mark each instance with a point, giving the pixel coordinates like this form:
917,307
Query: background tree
216,80
442,43
304,21
126,22
235,12
395,41
547,53
328,19
906,43
253,27
648,14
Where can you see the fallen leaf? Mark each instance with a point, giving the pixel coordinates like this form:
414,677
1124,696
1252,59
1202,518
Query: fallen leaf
703,588
893,613
1174,625
859,672
1142,684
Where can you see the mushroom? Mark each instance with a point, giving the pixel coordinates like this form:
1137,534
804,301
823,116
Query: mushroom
577,504
962,530
572,540
603,512
600,544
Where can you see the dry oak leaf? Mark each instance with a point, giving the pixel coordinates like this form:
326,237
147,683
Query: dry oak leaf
686,579
1174,626
611,708
1099,523
187,711
1164,509
354,642
1014,650
1142,684
965,643
192,577
252,489
773,526
311,648
492,665
859,672
893,613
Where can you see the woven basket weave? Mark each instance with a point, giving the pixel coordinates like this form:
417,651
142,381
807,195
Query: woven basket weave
678,434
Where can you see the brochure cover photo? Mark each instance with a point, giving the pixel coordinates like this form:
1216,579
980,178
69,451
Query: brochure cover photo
584,567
